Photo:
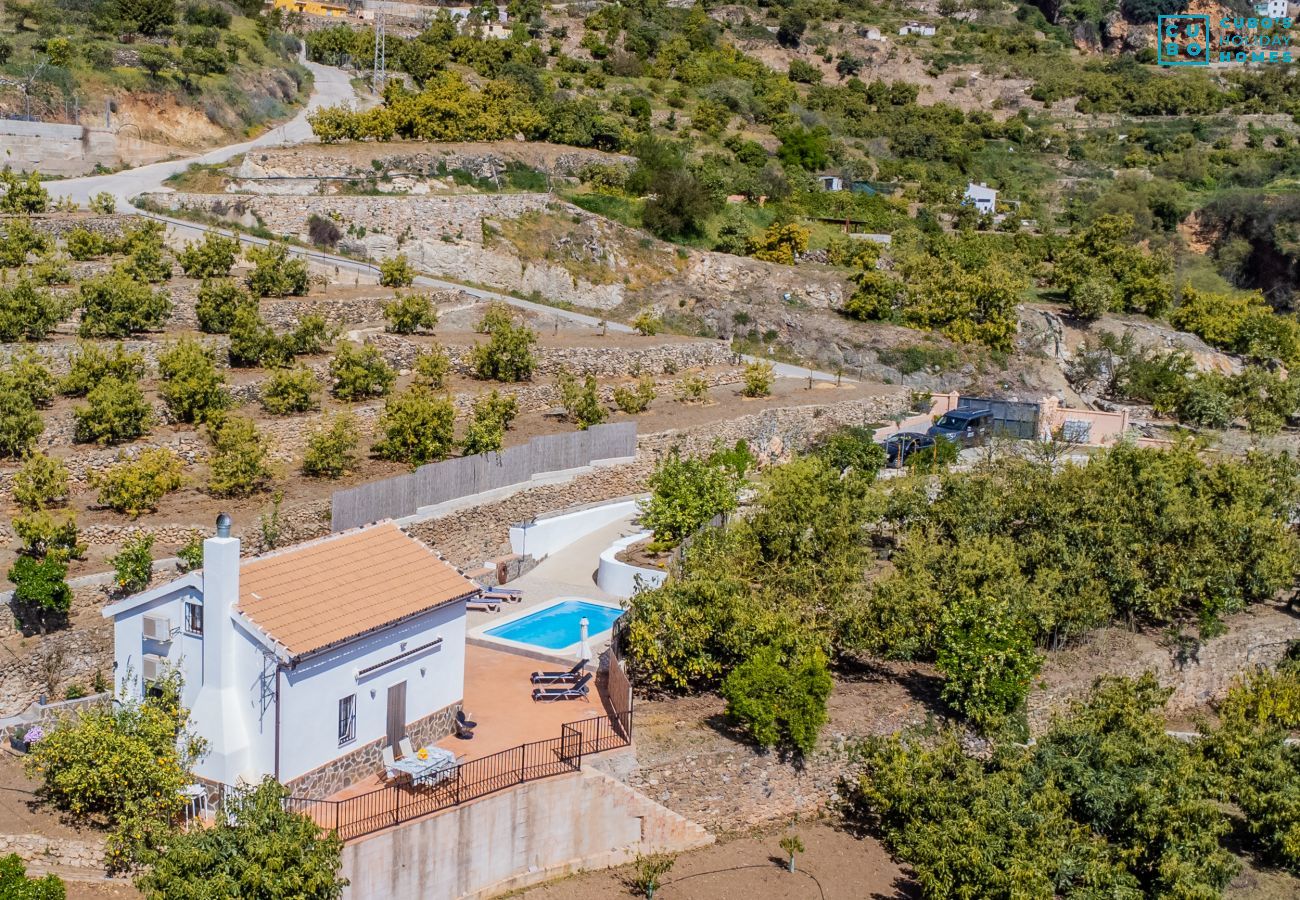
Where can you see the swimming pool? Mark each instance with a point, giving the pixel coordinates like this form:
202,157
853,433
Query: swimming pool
555,627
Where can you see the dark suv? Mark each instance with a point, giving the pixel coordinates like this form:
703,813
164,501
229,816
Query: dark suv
901,445
966,427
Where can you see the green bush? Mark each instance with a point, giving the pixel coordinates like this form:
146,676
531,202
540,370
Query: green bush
275,273
26,370
431,367
252,341
103,203
256,840
290,391
759,377
41,587
218,300
331,447
359,373
582,400
114,411
28,313
692,389
121,766
83,244
396,271
647,323
508,354
116,305
41,483
192,386
134,486
133,565
687,492
238,465
20,241
23,195
44,533
91,364
417,427
20,423
147,264
311,336
213,257
492,415
52,268
852,449
409,313
15,885
1091,298
1208,401
779,700
638,399
190,553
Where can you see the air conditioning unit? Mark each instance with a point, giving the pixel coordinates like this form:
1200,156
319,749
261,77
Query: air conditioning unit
157,628
152,667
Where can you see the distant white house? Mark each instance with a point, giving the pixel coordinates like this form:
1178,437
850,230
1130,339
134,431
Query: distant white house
917,28
304,663
1272,9
830,182
982,197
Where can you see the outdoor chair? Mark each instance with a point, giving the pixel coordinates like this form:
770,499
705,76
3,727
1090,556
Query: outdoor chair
464,727
483,603
390,764
560,677
572,692
405,746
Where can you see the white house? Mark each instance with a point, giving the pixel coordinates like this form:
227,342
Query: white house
917,28
304,663
1272,9
982,197
830,182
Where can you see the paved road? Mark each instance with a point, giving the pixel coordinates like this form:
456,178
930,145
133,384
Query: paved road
332,87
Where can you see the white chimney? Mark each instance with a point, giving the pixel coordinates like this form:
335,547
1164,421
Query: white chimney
220,594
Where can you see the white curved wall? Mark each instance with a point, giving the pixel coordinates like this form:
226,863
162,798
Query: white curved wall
545,536
621,579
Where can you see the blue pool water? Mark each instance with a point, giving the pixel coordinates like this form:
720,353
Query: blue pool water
556,627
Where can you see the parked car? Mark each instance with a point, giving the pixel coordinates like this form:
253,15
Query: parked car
966,427
898,447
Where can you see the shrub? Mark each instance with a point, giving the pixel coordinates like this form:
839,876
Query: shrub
21,240
27,372
23,195
121,766
40,585
192,386
396,271
650,870
360,372
218,300
213,257
687,492
91,364
323,232
647,323
1208,401
103,203
331,448
41,483
638,399
497,316
508,354
147,263
1091,298
852,449
258,840
275,273
582,400
52,268
83,244
310,336
409,313
20,423
133,565
291,391
781,243
692,389
15,885
43,533
253,342
238,466
417,427
190,553
134,486
114,411
780,701
116,305
986,653
27,312
935,459
759,377
432,367
492,415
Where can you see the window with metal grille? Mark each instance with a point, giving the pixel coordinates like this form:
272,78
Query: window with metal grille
194,618
347,719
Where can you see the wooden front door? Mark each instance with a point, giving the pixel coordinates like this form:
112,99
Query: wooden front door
396,713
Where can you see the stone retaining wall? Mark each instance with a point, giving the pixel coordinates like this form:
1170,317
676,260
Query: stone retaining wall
313,161
48,851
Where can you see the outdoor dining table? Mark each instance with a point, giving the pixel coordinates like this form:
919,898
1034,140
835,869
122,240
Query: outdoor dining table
439,765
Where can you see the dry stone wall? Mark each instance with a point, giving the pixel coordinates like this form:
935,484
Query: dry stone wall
67,853
315,161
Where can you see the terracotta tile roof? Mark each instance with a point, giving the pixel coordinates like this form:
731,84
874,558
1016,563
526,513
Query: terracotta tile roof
320,593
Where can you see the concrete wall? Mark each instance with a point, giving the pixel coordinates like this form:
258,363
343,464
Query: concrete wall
623,579
543,537
57,149
521,836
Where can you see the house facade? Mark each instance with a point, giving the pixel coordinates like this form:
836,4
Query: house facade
1273,9
304,663
982,197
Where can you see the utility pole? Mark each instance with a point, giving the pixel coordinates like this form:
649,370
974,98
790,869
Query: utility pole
380,52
